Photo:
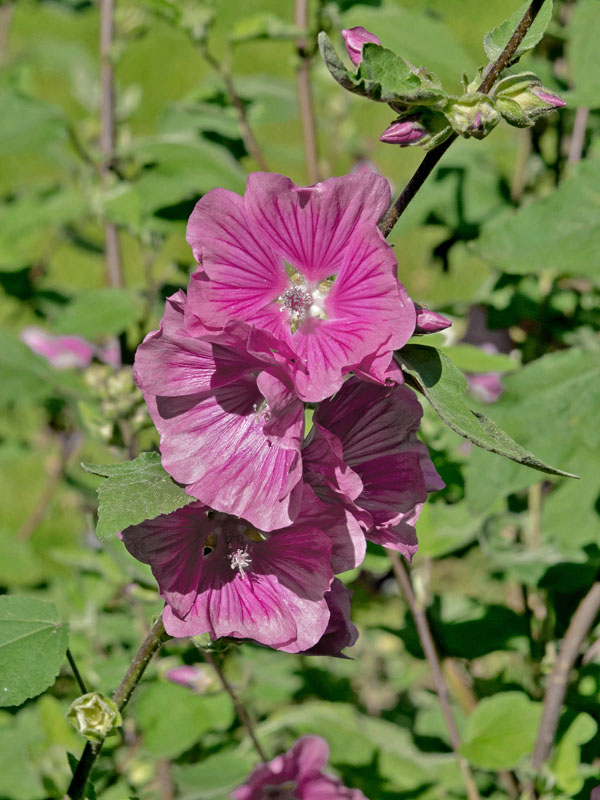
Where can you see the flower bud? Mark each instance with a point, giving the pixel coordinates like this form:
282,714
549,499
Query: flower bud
354,39
404,133
192,677
94,716
430,322
522,98
473,114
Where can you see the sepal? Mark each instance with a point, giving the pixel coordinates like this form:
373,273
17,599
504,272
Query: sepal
94,716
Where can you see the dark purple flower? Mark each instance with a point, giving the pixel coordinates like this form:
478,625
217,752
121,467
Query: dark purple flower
340,632
354,39
219,575
297,775
363,452
307,265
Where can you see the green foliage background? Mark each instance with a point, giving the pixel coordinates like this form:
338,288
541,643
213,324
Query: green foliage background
504,238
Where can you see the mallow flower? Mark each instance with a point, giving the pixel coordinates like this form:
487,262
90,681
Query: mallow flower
69,352
307,265
297,775
220,575
363,453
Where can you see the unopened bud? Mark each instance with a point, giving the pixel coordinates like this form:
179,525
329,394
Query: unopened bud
404,133
522,98
429,321
473,115
192,677
94,716
354,39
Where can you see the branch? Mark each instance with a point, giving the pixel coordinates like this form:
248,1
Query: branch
240,709
305,101
250,142
426,166
556,688
427,643
578,134
151,644
76,673
114,267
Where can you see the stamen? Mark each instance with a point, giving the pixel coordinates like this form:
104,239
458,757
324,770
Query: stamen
240,560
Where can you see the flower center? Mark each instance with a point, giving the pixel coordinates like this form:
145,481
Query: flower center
240,560
302,299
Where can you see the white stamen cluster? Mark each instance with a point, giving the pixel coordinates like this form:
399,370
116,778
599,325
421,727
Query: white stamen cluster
240,560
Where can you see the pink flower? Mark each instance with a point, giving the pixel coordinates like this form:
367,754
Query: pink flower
354,39
307,265
69,352
404,133
297,775
190,676
430,321
363,452
221,576
230,426
340,632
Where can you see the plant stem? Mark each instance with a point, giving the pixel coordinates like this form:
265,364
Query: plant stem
578,134
76,673
556,688
305,101
250,142
240,709
427,643
142,658
114,266
426,166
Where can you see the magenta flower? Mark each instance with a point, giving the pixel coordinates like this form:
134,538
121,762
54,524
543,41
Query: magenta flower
376,467
221,576
354,39
340,632
230,426
297,775
307,265
69,352
404,133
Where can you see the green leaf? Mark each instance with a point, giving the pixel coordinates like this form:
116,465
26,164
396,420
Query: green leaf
214,777
27,123
19,744
469,358
496,40
173,718
382,76
444,386
99,312
566,764
501,731
584,34
33,641
560,232
133,492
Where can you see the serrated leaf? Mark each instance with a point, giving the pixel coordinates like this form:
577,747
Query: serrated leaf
382,76
501,730
560,232
444,386
33,641
133,492
496,40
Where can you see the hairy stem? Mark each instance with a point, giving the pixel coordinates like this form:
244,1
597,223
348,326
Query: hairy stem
142,658
556,688
114,266
427,643
492,72
240,708
250,142
305,101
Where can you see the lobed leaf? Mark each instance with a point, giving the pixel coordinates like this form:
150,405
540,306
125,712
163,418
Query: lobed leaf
133,492
444,386
33,641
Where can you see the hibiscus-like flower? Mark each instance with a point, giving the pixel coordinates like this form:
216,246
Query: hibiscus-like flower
307,265
363,453
220,575
297,775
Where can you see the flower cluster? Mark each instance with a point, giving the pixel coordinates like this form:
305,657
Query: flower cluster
295,307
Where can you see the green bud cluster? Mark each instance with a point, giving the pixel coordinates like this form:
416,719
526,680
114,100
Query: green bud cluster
115,399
